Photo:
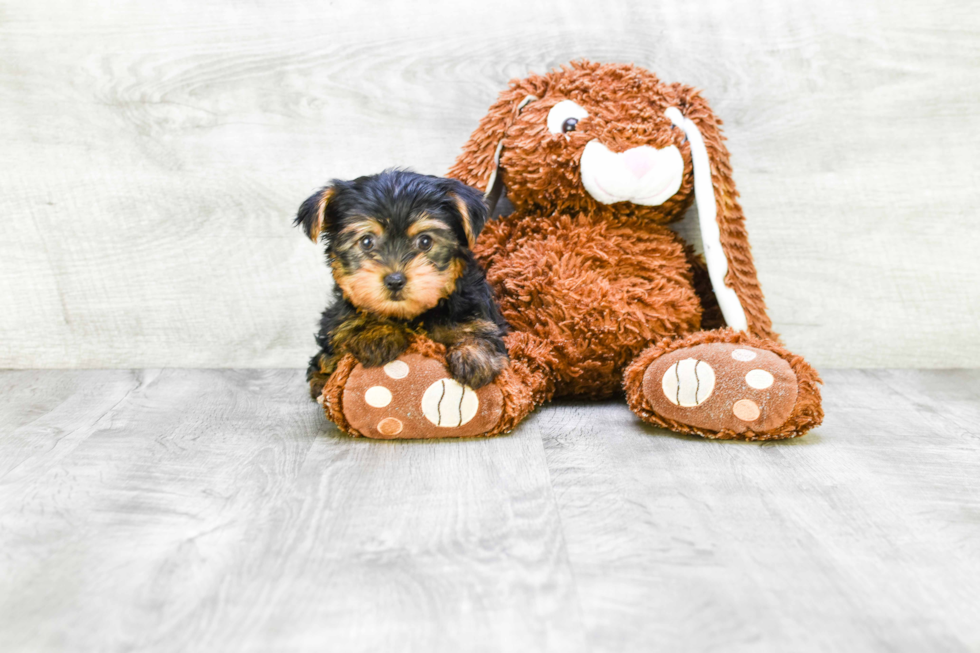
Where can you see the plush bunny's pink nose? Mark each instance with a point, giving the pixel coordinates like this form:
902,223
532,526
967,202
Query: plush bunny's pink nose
639,160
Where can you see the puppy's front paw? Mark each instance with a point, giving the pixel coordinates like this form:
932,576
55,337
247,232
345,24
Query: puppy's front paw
475,365
380,347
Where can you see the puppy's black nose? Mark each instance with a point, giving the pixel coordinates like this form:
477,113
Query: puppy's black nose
395,281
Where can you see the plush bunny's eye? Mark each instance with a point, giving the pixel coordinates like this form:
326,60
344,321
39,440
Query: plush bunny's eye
564,116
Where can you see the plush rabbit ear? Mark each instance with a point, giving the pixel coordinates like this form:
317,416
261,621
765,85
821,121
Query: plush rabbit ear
726,242
479,164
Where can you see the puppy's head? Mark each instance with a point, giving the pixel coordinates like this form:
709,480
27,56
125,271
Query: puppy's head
397,241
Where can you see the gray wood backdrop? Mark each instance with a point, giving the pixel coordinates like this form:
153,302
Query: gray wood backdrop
152,155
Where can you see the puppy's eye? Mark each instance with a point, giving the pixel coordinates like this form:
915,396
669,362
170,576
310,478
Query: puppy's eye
424,242
366,243
564,116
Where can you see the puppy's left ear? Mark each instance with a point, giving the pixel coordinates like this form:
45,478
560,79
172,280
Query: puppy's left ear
471,206
312,215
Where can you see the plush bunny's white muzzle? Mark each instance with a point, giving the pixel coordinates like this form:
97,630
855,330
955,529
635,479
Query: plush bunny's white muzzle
649,176
642,175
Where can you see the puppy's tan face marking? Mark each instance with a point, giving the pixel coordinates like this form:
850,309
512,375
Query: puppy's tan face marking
364,226
367,252
425,286
426,223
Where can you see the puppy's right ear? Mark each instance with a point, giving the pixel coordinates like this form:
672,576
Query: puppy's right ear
312,215
472,208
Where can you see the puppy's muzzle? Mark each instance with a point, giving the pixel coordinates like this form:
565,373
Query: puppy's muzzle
395,281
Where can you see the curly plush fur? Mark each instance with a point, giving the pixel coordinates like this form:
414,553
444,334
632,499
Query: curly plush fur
600,283
806,414
596,292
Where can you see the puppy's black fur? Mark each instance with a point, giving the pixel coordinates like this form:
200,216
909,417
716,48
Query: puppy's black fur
398,244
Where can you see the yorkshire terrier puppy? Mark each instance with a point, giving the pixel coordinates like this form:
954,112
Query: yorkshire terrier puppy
398,244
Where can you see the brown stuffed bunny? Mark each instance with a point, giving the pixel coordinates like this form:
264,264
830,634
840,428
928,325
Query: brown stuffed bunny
601,295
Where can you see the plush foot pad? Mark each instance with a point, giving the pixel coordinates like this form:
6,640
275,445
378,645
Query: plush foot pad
414,397
722,386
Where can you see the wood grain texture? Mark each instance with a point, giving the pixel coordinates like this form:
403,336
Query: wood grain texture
218,511
861,536
203,510
153,155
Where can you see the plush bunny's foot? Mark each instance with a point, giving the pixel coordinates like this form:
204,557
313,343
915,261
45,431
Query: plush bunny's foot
726,385
414,396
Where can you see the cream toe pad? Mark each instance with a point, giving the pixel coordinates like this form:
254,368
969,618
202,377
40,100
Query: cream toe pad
743,355
449,403
390,426
746,410
396,369
688,382
378,396
759,379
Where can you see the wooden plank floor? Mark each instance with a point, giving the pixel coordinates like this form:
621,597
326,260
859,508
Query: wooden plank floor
199,510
